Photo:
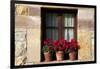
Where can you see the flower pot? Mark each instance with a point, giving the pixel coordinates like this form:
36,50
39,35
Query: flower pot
47,56
59,55
72,56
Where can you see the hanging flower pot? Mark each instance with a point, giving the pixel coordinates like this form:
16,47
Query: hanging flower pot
47,56
59,55
72,56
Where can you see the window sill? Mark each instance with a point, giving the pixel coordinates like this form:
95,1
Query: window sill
51,62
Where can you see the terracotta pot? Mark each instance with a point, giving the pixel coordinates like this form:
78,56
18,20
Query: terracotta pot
59,55
47,56
72,56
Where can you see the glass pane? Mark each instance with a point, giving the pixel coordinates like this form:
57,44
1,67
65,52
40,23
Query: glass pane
51,20
52,34
68,20
48,33
68,34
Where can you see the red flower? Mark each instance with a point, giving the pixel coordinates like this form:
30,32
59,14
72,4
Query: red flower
63,47
54,43
45,42
47,39
60,45
73,44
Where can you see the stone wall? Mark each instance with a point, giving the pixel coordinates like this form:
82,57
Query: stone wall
32,22
85,33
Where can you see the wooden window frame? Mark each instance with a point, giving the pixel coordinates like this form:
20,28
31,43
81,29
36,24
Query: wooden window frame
60,11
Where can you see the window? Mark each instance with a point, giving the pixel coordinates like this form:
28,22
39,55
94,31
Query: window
51,26
58,23
69,26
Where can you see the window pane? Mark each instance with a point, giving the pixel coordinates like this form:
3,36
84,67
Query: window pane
52,34
48,33
68,20
51,20
68,34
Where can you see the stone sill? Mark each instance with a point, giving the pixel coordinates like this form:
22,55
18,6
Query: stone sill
53,62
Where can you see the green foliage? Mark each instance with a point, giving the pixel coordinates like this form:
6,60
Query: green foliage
67,51
45,48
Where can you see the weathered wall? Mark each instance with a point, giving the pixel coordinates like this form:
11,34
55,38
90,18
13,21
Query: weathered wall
85,33
32,23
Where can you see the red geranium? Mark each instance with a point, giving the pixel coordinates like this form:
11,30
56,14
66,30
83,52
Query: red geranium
73,45
61,45
48,46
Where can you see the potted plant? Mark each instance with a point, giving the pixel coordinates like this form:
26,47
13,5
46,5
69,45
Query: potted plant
59,47
73,46
47,49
